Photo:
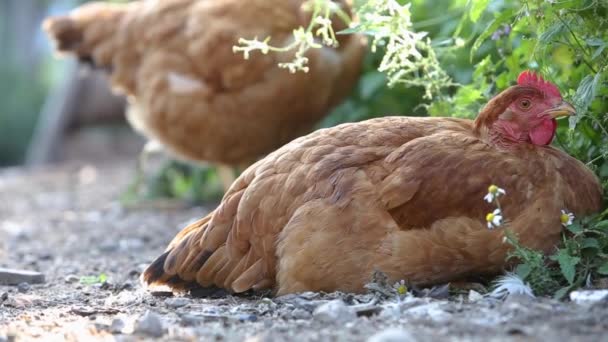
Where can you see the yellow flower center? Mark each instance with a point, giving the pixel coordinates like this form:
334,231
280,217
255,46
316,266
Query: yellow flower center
493,189
490,217
564,218
402,289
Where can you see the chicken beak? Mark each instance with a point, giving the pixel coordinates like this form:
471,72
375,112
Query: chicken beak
561,110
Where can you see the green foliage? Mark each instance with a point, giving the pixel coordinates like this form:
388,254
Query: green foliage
175,180
21,96
579,261
567,42
408,56
92,280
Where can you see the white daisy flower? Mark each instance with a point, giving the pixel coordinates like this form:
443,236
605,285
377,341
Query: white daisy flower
400,287
493,192
566,218
494,219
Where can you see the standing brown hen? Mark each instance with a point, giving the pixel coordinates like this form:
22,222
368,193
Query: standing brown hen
191,92
398,194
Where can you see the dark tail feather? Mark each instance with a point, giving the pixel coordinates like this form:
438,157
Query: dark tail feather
155,275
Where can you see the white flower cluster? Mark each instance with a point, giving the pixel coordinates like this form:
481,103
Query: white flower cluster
319,33
409,58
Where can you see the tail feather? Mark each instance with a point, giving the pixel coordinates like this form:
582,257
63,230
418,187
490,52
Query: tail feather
90,32
178,266
205,253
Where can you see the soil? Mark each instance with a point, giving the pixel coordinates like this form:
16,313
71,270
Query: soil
66,221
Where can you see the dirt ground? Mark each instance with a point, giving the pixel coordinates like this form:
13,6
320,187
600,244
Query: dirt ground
66,222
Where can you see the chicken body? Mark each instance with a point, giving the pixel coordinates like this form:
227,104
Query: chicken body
191,92
396,194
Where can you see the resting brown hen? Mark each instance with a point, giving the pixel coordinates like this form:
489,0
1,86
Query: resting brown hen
402,195
187,89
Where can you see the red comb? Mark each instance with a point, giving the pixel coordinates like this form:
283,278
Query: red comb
531,79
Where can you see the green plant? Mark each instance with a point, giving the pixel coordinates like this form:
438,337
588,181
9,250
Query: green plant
91,280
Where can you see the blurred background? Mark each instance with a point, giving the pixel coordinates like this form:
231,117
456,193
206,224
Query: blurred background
54,110
45,101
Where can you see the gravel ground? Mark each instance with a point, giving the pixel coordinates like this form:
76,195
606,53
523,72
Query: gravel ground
67,223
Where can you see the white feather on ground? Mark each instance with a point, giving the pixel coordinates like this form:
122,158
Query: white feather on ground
509,284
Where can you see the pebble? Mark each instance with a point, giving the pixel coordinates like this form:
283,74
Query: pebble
4,296
177,302
191,319
474,296
117,326
335,311
150,324
23,287
71,279
15,277
588,296
392,335
300,314
247,318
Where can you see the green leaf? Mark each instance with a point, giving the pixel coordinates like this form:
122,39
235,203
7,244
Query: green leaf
561,293
601,225
599,51
575,227
590,243
102,278
586,90
567,264
585,93
603,269
554,30
477,8
523,271
493,26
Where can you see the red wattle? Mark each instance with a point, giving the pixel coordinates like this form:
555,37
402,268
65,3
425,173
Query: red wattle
543,134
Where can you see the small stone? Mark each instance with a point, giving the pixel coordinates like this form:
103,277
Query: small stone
71,279
108,246
190,319
392,335
474,296
117,326
4,296
247,318
150,324
519,299
126,286
335,311
300,314
177,302
15,277
23,287
588,296
130,244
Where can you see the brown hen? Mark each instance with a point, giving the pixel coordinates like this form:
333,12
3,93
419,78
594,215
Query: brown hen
402,195
191,92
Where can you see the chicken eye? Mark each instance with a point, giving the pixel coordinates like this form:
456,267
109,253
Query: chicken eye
525,104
